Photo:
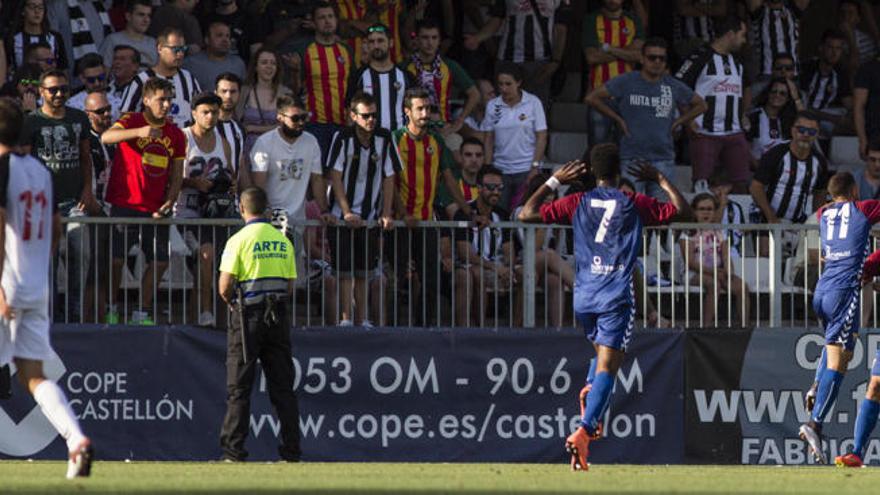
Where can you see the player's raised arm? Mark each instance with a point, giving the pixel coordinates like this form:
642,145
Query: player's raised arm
659,212
559,211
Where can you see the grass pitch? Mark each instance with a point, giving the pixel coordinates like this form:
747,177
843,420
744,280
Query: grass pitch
166,477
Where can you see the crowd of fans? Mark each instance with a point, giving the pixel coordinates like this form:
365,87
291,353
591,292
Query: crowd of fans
355,111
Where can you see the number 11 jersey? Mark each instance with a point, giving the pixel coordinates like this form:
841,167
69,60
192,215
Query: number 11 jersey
844,228
607,241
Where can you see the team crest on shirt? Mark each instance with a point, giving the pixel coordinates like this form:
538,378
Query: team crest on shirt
522,116
625,30
397,85
374,157
340,59
429,150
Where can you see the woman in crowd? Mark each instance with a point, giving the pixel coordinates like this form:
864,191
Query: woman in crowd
771,119
256,108
32,27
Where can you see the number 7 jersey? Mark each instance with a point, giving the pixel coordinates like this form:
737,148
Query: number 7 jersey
26,195
844,228
607,241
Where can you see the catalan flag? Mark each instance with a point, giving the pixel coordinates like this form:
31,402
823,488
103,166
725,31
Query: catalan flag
423,159
619,33
326,70
449,76
390,13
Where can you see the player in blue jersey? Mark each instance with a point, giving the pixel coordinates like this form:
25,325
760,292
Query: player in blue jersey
844,226
607,238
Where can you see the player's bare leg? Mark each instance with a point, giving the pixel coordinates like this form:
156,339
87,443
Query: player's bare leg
54,405
608,361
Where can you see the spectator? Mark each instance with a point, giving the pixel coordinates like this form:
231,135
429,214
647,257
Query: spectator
177,15
228,12
770,121
439,75
285,162
41,54
826,84
730,213
382,79
207,168
484,254
362,164
172,49
83,25
783,68
612,41
58,135
137,20
228,88
466,176
647,102
215,59
99,110
787,176
776,24
869,179
709,262
145,181
717,76
356,16
32,27
256,109
693,26
323,69
24,87
425,162
474,122
861,46
284,25
533,38
866,104
94,77
515,133
125,67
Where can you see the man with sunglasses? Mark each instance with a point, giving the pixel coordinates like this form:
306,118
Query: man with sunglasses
94,78
172,50
59,135
646,103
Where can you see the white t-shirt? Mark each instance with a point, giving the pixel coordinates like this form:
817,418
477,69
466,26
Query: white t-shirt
515,129
199,163
289,168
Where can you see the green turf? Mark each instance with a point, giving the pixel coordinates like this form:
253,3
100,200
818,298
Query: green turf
147,477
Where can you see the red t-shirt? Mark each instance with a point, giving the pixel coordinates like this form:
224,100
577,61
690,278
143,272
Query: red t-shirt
140,169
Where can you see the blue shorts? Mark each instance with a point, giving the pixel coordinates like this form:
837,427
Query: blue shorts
839,312
612,328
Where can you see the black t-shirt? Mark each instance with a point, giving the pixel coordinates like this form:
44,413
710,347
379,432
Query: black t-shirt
57,143
237,23
868,77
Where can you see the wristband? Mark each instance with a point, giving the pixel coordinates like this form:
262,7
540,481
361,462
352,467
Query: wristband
553,183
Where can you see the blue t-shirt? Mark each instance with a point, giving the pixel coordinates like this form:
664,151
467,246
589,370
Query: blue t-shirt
844,229
607,238
649,109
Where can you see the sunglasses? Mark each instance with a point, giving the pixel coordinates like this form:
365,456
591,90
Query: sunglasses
656,58
377,29
96,79
368,116
178,49
807,131
54,90
301,117
493,187
101,111
29,82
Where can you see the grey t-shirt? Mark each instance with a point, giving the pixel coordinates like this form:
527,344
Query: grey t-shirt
206,70
649,109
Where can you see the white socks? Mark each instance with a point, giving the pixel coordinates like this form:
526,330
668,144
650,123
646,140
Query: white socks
54,405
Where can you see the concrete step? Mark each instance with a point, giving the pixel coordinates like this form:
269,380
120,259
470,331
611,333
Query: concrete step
565,146
570,117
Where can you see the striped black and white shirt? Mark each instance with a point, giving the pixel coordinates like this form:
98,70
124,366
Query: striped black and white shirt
185,87
790,183
719,80
19,42
733,214
487,242
232,132
766,132
693,27
363,169
388,88
824,90
522,37
776,31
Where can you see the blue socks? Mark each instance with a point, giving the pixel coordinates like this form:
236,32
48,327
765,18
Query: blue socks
865,423
829,385
597,401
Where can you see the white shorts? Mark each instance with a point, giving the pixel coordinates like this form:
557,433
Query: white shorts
26,336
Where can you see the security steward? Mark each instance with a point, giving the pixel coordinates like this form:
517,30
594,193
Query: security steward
257,270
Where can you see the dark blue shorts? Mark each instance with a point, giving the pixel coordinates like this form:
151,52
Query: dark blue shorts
840,314
611,328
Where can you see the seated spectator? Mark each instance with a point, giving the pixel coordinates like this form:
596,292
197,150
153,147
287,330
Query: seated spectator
41,54
32,27
94,79
515,130
784,69
827,87
215,59
24,87
124,68
646,104
466,174
709,263
230,13
256,109
729,212
770,121
137,20
861,46
177,14
474,121
788,176
869,179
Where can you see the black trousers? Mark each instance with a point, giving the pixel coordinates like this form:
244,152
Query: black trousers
271,344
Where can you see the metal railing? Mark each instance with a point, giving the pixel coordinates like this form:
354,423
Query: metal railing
432,275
